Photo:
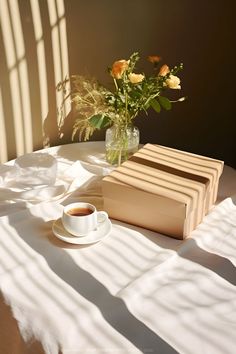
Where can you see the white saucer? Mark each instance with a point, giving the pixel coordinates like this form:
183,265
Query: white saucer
102,231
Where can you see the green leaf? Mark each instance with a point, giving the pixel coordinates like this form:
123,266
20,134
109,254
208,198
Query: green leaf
99,121
155,105
165,102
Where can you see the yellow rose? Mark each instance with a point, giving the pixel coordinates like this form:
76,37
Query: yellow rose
173,82
164,70
135,78
118,68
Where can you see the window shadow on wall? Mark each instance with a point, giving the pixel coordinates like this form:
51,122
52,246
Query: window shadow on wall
34,58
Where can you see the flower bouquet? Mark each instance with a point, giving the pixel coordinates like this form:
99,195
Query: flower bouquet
97,107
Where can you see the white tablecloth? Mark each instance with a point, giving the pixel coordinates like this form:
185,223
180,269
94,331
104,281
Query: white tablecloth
135,291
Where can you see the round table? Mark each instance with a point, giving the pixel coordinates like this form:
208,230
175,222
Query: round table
135,291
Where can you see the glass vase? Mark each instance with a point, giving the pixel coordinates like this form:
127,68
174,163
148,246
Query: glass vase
121,142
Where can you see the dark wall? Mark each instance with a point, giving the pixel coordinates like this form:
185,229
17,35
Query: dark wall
201,34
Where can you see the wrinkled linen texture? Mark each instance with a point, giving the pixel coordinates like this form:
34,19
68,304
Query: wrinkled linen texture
136,291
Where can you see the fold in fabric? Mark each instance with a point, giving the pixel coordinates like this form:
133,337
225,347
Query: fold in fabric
17,194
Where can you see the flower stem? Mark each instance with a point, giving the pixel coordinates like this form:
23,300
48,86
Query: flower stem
116,86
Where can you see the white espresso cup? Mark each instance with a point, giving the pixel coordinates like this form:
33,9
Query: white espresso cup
81,218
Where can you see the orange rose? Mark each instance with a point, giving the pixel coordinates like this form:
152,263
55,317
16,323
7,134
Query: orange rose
164,70
118,68
154,59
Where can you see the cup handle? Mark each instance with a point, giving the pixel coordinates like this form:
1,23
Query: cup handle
102,216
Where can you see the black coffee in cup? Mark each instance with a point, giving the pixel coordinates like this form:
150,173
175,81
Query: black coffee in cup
80,211
88,218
